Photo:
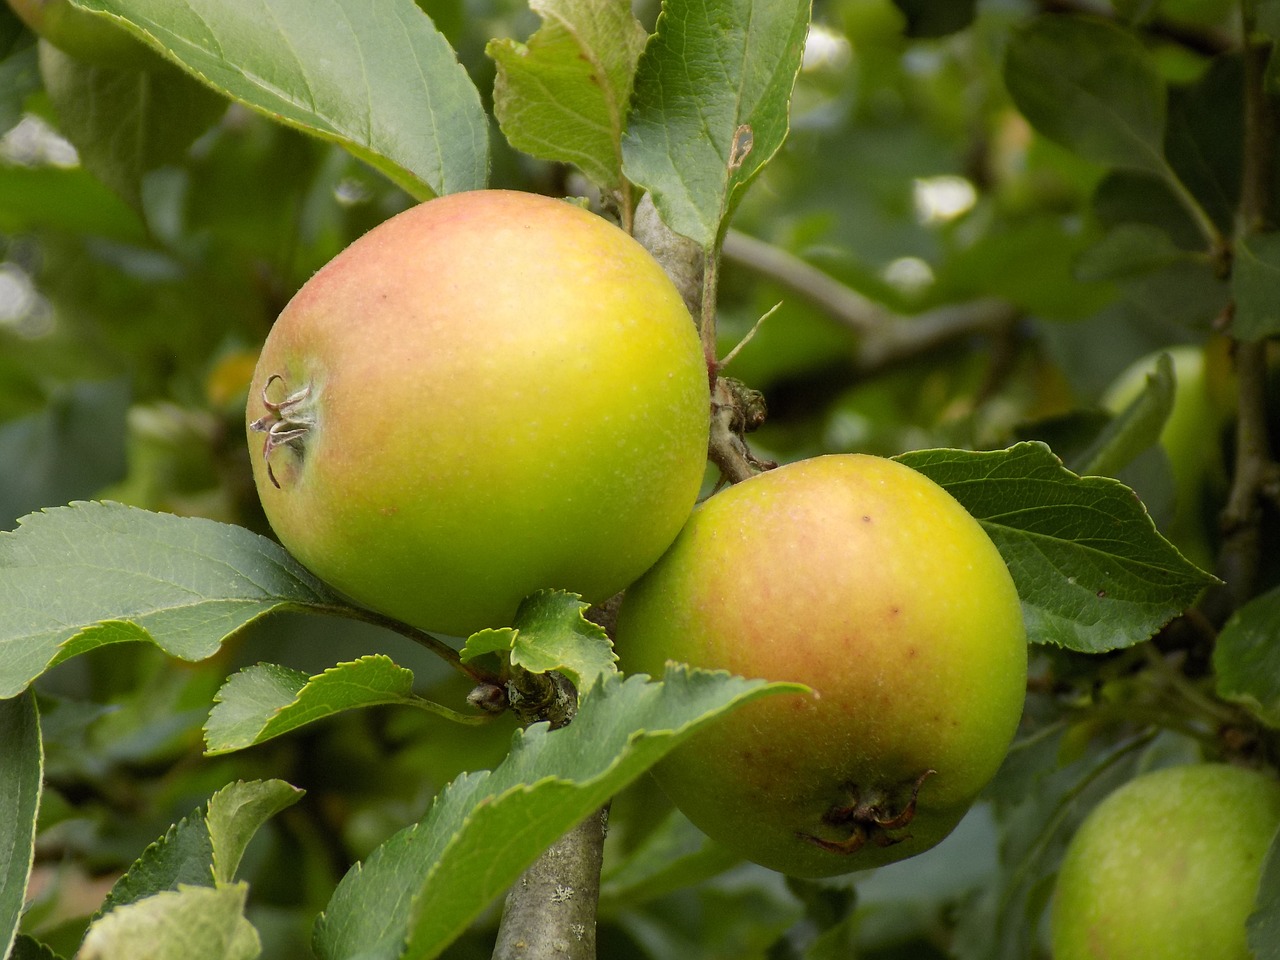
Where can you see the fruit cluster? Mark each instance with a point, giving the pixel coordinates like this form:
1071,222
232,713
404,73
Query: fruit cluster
494,393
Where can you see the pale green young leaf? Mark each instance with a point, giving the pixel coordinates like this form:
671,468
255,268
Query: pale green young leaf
550,633
375,76
1246,658
422,887
1255,281
266,700
78,577
563,95
189,923
236,813
204,848
123,122
1093,572
1090,86
21,772
1136,428
711,106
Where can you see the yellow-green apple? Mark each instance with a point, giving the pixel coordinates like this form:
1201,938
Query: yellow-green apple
489,394
871,584
1167,867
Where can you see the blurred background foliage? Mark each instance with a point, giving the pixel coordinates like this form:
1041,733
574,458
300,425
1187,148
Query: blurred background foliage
971,294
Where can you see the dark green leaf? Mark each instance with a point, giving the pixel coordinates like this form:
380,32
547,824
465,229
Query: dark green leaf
936,18
1255,280
564,94
28,948
74,578
376,77
421,888
21,772
1127,250
1090,86
675,855
711,106
123,122
551,633
1264,922
1091,569
1204,141
19,77
1246,658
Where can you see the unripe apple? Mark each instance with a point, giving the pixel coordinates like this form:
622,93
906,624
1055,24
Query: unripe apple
489,394
93,39
1167,867
868,582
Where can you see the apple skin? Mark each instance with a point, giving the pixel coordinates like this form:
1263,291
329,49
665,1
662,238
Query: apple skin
1167,867
508,394
93,39
868,582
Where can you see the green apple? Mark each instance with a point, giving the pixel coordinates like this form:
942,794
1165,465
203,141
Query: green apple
489,394
1167,867
868,582
85,36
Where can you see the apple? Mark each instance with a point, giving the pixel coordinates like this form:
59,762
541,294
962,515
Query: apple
869,583
1167,866
489,394
85,36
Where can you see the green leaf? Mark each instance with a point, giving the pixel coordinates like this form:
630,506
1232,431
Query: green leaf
1135,429
1246,658
550,633
421,888
1128,250
125,122
675,855
204,848
28,948
1255,281
710,107
77,577
1091,569
1264,922
936,18
266,700
375,77
190,923
21,772
1091,87
236,813
564,94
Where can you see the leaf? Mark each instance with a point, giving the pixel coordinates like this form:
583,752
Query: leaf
21,773
236,813
936,18
675,855
1091,87
123,122
1091,569
1133,430
1255,281
564,94
266,700
182,583
421,888
28,948
1264,923
190,923
1246,658
710,107
372,75
550,633
1128,250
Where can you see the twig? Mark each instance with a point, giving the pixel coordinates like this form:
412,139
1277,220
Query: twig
550,912
885,336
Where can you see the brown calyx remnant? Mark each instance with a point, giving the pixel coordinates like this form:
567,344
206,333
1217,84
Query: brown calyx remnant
286,424
869,815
